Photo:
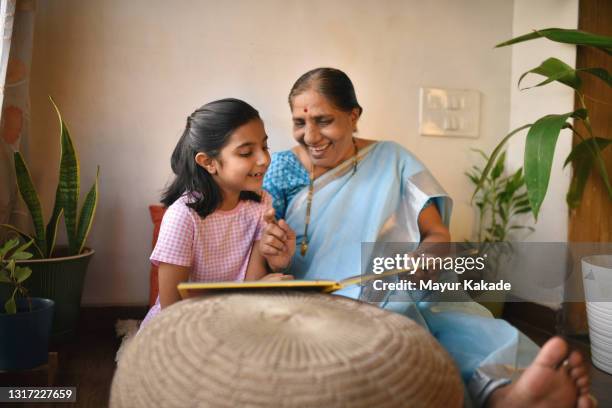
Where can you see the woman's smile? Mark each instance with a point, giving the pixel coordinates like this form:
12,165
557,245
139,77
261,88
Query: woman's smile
318,151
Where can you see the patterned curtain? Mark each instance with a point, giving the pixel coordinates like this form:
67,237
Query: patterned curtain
17,26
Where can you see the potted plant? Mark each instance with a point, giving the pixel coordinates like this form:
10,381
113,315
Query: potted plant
544,132
25,323
58,272
500,200
585,155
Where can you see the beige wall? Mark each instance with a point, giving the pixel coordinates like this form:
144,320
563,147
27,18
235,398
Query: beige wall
127,73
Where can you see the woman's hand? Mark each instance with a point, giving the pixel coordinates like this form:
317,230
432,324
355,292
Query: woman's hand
277,243
276,277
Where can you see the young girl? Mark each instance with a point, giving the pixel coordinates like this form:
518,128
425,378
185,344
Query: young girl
215,205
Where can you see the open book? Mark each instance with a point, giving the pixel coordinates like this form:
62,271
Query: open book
191,289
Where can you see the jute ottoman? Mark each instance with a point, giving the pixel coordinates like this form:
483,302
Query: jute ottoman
283,349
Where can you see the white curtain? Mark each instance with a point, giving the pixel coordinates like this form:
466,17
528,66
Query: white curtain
17,26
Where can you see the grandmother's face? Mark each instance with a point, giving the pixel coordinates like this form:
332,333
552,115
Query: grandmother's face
324,130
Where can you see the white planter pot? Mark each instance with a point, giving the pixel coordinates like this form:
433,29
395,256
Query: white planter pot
597,280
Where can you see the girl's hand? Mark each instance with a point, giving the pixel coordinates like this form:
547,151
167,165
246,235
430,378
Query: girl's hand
277,243
276,277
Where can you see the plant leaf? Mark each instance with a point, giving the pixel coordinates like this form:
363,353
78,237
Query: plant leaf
30,197
88,212
583,149
554,70
480,152
52,227
539,154
22,273
53,223
19,256
68,187
498,169
8,246
565,36
594,148
494,155
10,306
582,169
25,237
600,73
4,276
522,210
10,267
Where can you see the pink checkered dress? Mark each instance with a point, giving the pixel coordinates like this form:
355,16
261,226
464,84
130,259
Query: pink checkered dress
217,248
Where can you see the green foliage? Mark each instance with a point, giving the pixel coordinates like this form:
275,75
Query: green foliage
543,133
499,199
77,224
12,274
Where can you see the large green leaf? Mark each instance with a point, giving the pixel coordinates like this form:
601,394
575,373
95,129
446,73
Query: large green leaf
68,187
53,223
88,212
554,70
539,153
52,227
30,197
37,251
494,154
584,149
565,36
584,155
600,73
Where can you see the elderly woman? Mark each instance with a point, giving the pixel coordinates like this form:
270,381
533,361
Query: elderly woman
334,191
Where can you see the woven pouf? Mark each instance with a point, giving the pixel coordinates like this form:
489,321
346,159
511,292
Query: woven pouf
283,349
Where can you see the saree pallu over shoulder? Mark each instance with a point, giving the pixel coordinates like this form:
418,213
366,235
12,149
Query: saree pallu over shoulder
380,202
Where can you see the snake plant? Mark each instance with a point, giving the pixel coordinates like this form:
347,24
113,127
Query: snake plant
544,132
78,224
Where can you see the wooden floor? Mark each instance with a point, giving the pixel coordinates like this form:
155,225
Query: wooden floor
87,362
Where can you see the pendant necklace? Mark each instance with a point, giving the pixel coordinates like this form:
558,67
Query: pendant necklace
304,245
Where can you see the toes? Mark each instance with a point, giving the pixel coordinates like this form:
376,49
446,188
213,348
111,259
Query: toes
578,372
575,359
583,382
586,401
583,402
552,353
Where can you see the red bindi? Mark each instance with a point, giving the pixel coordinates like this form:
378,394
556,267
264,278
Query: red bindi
305,109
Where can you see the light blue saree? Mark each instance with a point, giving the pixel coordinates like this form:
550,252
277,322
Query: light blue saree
380,203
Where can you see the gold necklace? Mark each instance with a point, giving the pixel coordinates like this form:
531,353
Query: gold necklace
304,245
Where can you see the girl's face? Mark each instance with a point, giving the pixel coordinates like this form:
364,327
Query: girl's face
325,131
244,160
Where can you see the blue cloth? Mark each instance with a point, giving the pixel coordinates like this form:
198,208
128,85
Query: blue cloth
380,203
284,179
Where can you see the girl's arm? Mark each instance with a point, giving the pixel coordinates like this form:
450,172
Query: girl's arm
256,269
169,277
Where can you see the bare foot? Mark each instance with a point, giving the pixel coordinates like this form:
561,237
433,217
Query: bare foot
554,379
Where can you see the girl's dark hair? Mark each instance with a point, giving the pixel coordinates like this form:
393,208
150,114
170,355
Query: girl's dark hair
332,83
208,130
